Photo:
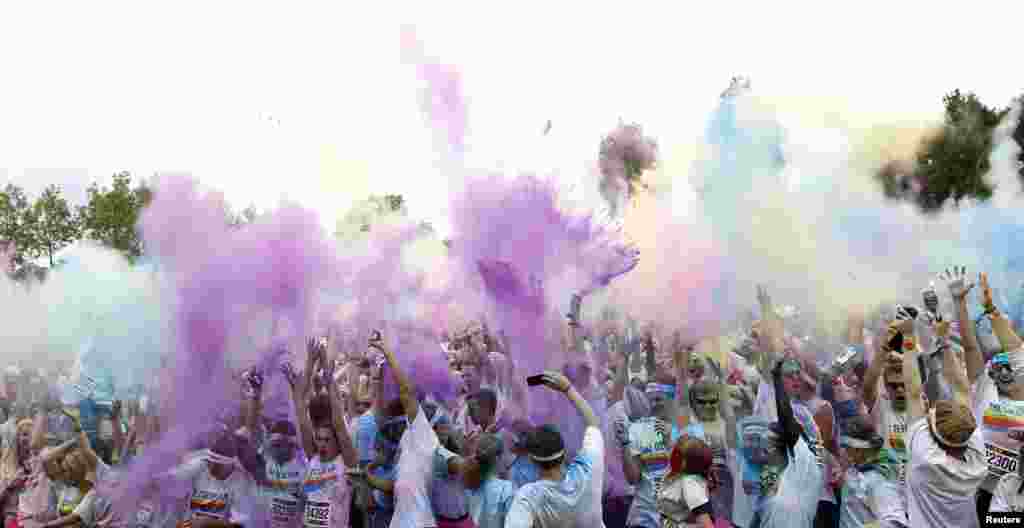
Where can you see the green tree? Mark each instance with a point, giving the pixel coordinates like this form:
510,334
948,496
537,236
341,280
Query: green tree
17,221
363,215
56,225
112,214
951,165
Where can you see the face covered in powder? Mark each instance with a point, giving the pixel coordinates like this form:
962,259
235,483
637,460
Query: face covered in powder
660,396
704,400
896,389
1002,373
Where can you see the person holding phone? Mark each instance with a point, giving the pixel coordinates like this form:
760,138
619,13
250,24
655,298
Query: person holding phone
560,497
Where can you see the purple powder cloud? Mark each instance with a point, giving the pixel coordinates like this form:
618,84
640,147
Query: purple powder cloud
625,155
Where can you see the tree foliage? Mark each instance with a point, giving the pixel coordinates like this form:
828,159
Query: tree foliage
56,224
111,215
952,164
17,224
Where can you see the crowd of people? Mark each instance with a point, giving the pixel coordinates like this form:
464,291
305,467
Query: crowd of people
914,422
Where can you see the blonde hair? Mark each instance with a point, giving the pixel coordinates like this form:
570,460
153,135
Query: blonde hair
10,464
952,423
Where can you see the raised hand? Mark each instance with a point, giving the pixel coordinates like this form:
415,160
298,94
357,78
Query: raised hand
931,303
986,293
958,282
763,298
556,381
905,316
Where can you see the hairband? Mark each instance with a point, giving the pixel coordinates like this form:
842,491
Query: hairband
942,440
670,390
856,443
214,458
550,458
280,437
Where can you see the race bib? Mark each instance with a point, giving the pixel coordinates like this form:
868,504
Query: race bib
283,511
1000,461
144,517
318,515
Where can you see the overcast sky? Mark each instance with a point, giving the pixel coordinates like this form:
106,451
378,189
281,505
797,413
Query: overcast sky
310,100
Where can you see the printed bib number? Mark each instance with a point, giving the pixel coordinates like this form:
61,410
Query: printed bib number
1000,461
283,510
901,473
144,516
318,514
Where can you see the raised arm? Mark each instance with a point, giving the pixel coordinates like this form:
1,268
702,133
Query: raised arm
874,371
952,368
791,429
560,383
300,391
911,371
118,433
406,388
349,454
1001,326
960,285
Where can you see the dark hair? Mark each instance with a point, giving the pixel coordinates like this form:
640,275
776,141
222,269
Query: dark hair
320,409
225,446
283,427
394,408
543,442
489,451
487,398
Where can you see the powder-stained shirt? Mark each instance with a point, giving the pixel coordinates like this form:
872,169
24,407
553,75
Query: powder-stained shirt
327,493
650,440
282,491
1000,420
940,488
567,503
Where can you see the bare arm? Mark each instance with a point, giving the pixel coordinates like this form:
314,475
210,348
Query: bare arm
299,392
912,375
67,520
1000,324
874,372
406,389
952,367
349,454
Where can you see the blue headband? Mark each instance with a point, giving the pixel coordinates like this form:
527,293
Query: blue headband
669,390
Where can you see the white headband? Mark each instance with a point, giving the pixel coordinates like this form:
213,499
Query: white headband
551,458
214,458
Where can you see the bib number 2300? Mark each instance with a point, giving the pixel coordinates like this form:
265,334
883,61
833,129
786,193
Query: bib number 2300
318,514
1001,461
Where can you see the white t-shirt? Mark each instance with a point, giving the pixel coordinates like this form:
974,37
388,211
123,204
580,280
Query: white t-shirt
214,498
412,485
328,494
679,497
795,501
1008,497
893,427
568,503
650,441
282,489
940,488
1001,422
864,494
